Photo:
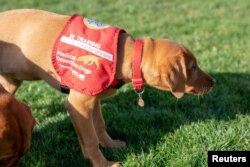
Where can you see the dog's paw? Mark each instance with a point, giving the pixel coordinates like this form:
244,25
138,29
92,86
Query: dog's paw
114,164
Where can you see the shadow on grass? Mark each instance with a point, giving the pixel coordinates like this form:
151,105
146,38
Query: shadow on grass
141,127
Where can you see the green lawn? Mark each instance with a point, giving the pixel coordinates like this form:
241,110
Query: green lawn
167,132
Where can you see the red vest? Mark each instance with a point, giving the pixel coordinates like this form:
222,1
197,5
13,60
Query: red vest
85,55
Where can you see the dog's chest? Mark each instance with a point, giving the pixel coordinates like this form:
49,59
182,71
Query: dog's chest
85,55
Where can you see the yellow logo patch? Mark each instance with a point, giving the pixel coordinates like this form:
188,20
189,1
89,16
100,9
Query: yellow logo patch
89,60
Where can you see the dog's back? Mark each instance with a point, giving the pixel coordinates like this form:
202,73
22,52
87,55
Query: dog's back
26,41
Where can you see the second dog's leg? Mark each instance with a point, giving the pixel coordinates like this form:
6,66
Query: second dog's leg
80,108
99,123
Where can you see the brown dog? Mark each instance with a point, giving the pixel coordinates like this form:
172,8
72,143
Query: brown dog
16,124
26,41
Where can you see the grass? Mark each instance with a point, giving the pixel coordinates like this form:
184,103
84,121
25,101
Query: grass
166,132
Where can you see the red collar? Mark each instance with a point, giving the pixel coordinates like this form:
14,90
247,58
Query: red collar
137,80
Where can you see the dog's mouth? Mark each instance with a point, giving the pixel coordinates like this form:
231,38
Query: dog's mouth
193,92
200,92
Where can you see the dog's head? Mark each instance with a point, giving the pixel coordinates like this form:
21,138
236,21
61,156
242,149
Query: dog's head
16,124
171,66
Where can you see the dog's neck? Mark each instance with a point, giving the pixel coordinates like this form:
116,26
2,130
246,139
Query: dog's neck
125,58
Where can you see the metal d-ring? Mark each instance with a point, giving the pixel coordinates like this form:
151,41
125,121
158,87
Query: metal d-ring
139,92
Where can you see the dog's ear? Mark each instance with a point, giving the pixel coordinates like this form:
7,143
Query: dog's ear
176,78
26,128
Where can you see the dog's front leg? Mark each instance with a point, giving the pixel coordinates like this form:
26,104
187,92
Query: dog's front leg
104,138
80,108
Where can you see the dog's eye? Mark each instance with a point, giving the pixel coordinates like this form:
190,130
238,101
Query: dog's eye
194,67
